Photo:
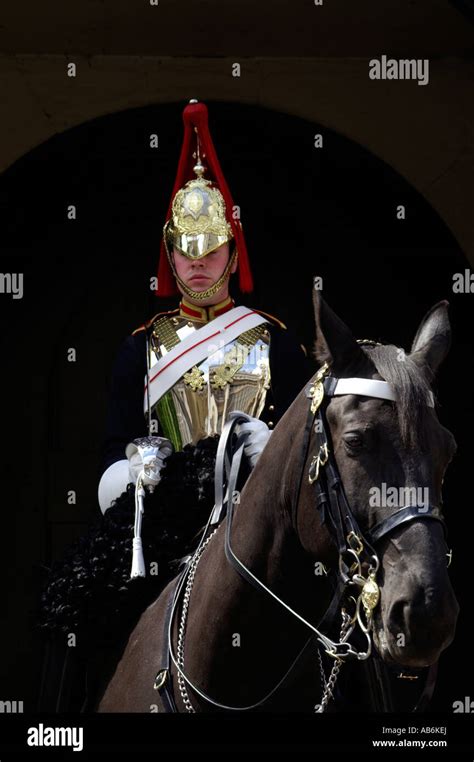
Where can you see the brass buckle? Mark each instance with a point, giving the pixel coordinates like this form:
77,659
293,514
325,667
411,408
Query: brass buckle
318,460
160,679
352,536
316,392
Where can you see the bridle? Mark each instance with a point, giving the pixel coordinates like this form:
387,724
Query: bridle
356,548
356,576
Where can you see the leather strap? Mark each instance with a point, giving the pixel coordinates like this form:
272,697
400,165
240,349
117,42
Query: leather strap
166,688
224,457
304,457
403,516
365,387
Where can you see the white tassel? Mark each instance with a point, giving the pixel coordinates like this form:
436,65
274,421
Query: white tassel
138,562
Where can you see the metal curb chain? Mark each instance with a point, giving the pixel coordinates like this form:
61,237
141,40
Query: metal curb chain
328,686
182,625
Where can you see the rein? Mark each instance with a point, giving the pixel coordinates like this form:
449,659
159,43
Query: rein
355,548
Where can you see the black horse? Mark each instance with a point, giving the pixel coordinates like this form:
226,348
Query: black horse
325,550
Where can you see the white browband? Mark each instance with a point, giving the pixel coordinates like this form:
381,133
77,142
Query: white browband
367,387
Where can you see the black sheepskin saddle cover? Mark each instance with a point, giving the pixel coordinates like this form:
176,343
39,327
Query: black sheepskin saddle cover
89,591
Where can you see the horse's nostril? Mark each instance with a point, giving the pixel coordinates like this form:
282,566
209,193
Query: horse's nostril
416,625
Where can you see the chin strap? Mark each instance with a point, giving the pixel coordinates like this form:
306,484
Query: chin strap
212,290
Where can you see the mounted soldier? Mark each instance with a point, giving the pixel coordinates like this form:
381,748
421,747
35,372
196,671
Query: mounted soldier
176,380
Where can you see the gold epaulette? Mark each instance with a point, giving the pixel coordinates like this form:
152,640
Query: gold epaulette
150,322
272,318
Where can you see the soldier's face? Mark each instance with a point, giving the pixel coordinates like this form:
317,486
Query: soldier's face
200,274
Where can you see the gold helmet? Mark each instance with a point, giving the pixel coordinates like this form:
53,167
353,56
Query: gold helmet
198,220
198,223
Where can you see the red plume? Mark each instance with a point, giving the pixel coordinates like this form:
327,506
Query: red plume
195,115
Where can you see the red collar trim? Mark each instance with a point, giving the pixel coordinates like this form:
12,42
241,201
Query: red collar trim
205,314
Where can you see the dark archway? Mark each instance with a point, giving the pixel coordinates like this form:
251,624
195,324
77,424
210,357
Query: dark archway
305,211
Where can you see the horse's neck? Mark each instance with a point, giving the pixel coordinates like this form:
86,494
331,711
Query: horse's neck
262,535
229,621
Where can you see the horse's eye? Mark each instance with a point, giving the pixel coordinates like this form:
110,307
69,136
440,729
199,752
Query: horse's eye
353,442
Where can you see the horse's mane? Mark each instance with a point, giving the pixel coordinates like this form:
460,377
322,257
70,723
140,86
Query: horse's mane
410,384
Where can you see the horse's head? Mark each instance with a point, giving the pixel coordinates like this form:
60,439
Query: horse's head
391,454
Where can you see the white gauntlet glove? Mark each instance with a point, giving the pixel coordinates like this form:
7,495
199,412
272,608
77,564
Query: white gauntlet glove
146,458
115,479
148,455
259,434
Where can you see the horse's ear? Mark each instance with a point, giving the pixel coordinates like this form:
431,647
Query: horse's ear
334,344
433,338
